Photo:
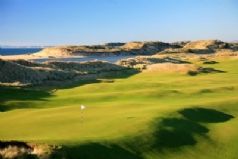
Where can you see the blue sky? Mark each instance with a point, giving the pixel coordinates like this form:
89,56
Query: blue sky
58,22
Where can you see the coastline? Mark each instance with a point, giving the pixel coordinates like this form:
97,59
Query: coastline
31,57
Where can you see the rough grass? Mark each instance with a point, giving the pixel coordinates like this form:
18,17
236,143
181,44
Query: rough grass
148,115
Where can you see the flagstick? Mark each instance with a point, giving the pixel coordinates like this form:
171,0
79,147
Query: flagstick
82,116
82,107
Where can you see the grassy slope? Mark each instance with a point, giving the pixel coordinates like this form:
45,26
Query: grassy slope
128,112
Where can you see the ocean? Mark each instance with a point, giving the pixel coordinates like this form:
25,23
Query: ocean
18,51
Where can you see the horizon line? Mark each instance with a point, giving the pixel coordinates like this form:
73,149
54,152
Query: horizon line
103,43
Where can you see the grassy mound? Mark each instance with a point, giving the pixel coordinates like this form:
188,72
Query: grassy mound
30,73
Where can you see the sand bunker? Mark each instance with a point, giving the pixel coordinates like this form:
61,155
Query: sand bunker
170,67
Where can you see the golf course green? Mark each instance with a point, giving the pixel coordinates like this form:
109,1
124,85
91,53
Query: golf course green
142,116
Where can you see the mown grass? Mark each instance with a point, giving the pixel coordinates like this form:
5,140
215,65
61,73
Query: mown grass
148,115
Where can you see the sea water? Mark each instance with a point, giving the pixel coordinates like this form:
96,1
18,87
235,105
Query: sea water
18,51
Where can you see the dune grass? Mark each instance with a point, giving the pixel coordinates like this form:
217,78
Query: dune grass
148,115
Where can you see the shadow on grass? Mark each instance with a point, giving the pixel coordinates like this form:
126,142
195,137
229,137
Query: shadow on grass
205,115
21,95
11,93
172,133
204,70
210,70
14,143
179,132
210,62
96,151
175,132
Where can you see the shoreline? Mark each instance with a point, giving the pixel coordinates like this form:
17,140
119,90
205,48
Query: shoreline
30,57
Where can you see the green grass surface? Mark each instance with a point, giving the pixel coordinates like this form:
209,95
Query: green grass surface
145,116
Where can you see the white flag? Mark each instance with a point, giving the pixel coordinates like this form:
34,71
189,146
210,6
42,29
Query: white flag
82,107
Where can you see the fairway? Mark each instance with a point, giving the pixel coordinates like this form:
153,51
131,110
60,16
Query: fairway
143,116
